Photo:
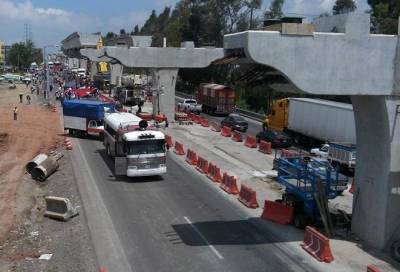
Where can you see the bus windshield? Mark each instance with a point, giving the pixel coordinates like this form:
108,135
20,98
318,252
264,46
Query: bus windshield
146,147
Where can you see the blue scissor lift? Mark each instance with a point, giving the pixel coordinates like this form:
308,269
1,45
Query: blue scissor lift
304,179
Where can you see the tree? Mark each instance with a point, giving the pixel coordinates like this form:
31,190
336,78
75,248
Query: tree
136,30
122,32
110,35
21,55
344,6
275,9
385,14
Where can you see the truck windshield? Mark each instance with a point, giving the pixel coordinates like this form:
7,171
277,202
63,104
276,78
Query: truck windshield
146,147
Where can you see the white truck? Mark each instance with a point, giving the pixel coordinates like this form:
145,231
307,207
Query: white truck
136,149
342,156
189,105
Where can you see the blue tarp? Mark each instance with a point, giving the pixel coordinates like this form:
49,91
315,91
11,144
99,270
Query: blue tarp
91,109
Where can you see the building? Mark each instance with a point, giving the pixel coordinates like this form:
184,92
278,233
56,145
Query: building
2,54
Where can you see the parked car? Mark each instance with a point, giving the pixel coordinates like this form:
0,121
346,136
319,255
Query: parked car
190,105
235,122
276,138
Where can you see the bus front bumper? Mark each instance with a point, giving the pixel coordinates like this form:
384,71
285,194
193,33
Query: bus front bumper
146,172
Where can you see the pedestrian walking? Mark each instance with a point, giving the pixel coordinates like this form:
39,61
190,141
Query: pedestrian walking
15,113
28,99
37,90
20,97
51,88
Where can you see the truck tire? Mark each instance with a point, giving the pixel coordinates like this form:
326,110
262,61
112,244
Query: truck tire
395,250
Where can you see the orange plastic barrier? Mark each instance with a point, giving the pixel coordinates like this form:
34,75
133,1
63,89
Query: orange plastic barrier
317,245
248,197
160,118
251,142
202,165
226,131
179,148
54,109
372,268
168,140
68,144
145,115
277,212
265,147
191,157
237,136
215,127
228,184
352,188
214,173
197,119
204,123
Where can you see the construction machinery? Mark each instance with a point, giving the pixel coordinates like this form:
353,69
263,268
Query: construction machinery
309,184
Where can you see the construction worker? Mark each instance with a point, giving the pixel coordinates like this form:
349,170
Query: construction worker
20,97
15,113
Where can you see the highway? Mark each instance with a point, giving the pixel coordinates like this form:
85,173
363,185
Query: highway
178,222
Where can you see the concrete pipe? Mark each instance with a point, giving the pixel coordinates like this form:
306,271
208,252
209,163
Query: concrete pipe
45,169
39,159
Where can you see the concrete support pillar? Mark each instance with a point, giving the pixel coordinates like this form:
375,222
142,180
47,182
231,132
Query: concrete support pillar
116,71
164,82
93,69
376,216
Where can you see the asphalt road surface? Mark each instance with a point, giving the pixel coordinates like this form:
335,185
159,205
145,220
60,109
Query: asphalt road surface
178,222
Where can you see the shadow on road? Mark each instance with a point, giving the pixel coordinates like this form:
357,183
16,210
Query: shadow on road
238,232
110,164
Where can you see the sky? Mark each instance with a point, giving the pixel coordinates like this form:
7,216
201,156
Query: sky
50,21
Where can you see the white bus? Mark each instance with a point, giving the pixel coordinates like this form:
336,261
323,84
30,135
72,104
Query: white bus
137,151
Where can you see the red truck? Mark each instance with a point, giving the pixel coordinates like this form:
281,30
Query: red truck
216,99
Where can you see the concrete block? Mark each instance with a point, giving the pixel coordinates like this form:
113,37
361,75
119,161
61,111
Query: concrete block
59,208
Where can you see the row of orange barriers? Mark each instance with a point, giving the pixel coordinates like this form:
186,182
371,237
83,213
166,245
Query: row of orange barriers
228,183
314,242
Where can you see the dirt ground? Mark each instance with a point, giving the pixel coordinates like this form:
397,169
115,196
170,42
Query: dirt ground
37,130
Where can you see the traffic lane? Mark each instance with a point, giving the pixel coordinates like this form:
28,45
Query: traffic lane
253,127
178,223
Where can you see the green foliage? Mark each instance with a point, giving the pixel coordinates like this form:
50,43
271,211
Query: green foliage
385,15
21,55
275,9
344,6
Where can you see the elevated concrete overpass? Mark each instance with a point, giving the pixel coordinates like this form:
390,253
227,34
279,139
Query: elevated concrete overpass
366,67
163,62
349,61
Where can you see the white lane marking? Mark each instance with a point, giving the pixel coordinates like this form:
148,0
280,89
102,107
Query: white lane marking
204,239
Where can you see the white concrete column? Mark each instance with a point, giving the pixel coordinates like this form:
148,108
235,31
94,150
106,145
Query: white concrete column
376,216
116,71
165,79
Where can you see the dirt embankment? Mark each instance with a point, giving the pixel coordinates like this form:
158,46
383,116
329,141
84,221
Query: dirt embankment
36,130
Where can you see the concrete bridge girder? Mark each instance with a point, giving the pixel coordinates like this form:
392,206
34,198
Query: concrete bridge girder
326,63
164,64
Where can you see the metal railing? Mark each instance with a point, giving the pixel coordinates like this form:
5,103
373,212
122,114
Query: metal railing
249,114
